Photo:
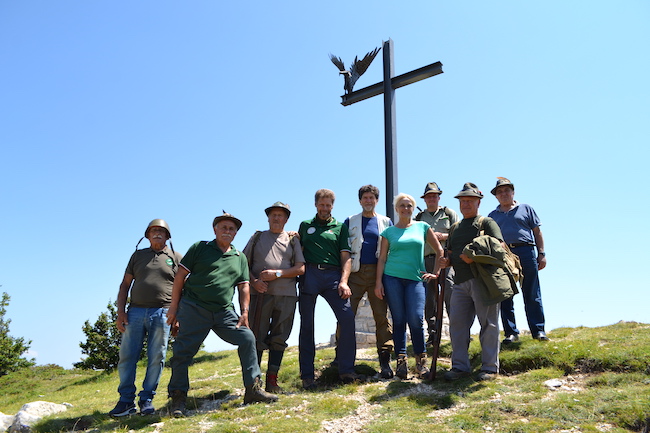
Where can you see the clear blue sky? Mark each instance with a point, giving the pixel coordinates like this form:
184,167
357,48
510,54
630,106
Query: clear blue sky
115,113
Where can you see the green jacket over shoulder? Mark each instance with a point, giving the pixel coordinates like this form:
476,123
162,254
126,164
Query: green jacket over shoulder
490,269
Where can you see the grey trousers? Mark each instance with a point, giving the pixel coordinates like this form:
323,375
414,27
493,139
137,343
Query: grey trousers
466,304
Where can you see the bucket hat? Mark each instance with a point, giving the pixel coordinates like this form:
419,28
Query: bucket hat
278,205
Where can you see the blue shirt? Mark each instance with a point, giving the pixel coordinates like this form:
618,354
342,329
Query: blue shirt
517,224
370,232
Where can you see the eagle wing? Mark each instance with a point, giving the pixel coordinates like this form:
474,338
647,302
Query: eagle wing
337,62
360,66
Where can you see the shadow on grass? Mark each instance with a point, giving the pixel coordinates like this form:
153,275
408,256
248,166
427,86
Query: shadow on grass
99,376
97,421
208,357
102,422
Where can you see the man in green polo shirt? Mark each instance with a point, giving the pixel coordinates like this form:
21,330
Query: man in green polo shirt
327,252
203,302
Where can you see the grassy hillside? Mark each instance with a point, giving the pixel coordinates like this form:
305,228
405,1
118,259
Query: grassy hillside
584,380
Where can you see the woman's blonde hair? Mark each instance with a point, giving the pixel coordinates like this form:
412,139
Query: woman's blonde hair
401,196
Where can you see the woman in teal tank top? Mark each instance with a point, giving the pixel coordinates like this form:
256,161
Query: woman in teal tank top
400,276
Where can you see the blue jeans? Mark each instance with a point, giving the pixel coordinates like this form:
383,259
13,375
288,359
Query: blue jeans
152,324
405,299
325,283
195,324
531,292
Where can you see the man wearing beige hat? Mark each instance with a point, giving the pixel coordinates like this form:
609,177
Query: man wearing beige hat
202,297
466,298
275,259
440,218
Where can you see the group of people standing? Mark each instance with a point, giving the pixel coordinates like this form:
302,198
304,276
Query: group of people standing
396,265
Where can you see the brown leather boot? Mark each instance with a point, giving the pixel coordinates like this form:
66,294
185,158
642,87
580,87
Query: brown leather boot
254,393
421,365
402,370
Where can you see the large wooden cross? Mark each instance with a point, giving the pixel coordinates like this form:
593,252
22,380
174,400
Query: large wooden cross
387,87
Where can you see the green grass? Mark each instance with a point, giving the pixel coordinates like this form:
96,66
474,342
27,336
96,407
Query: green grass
605,373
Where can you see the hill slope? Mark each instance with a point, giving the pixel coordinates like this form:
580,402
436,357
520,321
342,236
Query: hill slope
583,380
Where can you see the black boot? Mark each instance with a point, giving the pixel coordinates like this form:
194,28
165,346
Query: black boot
384,363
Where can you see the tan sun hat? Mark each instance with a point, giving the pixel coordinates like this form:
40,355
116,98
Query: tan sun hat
278,205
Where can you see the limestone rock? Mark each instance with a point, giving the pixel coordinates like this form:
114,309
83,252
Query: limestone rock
6,421
31,413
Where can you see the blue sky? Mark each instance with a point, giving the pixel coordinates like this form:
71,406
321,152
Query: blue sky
116,113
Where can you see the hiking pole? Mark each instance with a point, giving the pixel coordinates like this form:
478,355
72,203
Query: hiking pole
440,302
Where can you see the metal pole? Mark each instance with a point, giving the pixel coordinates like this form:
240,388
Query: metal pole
390,132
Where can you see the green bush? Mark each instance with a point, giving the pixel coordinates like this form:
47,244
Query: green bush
102,346
11,348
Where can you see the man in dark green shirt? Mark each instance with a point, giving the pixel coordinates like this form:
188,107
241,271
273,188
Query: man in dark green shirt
327,253
202,301
466,300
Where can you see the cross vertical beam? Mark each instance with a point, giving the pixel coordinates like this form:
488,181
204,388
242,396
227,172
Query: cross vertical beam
390,128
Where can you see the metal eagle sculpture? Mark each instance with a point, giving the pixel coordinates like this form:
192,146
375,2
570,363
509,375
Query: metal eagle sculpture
356,70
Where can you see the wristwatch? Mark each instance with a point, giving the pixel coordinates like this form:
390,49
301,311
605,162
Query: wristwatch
541,253
278,274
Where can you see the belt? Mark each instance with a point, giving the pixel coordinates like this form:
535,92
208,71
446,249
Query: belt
324,267
520,244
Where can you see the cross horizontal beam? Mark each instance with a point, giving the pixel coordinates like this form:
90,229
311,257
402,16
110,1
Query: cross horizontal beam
396,82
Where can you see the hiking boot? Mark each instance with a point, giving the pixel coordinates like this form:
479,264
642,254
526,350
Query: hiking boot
384,364
402,370
421,365
309,384
123,408
272,384
352,377
510,339
179,398
455,374
486,375
255,394
146,407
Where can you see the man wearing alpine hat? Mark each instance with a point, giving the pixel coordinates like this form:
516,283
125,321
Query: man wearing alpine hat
520,227
466,298
203,302
275,260
440,218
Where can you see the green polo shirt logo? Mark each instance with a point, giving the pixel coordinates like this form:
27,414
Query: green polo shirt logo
170,262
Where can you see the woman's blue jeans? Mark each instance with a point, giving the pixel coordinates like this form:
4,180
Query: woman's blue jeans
405,300
152,324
